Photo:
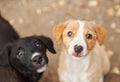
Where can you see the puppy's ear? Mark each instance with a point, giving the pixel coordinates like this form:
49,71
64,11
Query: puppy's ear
48,43
58,30
101,33
4,55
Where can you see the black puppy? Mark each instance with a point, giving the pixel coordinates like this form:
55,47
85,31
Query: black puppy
23,59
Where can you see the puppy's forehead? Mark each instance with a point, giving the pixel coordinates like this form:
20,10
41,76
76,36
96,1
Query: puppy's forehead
72,25
89,25
76,24
25,42
28,40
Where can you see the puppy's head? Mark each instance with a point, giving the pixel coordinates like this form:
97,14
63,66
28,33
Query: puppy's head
79,37
28,55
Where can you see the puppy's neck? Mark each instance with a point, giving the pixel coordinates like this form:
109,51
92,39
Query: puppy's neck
81,63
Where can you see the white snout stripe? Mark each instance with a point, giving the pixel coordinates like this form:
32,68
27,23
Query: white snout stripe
78,40
35,54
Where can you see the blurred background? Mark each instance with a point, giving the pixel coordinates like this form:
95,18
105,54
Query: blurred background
37,17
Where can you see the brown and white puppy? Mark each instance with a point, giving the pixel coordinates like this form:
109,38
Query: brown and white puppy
82,58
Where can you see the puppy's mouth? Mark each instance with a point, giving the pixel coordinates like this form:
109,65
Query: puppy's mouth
78,55
41,69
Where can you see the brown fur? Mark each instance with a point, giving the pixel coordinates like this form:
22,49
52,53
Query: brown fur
90,30
57,31
60,31
101,33
73,27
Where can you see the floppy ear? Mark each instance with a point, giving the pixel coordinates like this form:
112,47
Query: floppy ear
48,43
4,56
101,33
57,31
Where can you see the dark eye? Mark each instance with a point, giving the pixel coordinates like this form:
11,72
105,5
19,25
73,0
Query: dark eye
89,36
20,53
37,43
70,34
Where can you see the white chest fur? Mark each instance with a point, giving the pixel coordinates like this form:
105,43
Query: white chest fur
86,69
76,69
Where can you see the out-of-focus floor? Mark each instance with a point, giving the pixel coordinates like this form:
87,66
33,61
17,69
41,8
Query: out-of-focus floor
37,17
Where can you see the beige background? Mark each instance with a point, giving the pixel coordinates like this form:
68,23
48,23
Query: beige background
37,17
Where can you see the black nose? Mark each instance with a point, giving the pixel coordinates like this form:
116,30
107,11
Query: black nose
78,48
37,60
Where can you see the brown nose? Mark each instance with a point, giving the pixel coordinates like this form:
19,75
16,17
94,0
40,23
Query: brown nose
78,48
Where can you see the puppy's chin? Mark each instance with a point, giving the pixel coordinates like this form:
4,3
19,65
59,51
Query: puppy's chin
41,69
78,56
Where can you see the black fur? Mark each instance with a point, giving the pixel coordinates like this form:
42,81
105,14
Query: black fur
16,64
7,33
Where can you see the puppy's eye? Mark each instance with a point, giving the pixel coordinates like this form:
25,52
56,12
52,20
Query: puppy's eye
89,36
70,34
37,43
20,53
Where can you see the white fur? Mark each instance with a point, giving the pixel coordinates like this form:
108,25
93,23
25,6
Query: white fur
78,40
35,54
101,79
76,70
41,69
79,72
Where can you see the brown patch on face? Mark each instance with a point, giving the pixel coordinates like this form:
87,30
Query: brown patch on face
71,27
90,35
98,33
